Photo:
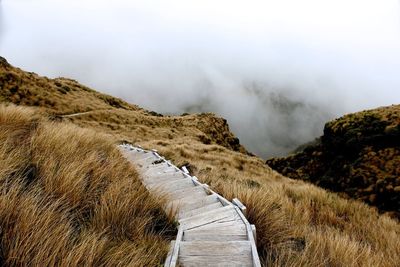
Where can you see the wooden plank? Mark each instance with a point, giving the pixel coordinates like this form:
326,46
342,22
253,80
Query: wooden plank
159,173
171,186
253,229
185,170
196,191
256,259
239,204
133,157
216,261
180,204
163,179
214,248
163,170
214,236
145,161
157,167
187,214
208,217
136,157
237,228
165,176
175,252
151,184
190,204
170,252
186,203
224,224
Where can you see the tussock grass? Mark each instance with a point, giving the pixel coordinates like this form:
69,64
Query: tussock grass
298,224
68,198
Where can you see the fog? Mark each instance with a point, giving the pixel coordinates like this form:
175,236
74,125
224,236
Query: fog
276,70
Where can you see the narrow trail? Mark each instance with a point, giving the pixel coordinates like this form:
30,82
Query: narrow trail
81,113
212,231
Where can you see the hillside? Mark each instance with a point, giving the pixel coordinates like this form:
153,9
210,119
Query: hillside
358,156
68,198
298,224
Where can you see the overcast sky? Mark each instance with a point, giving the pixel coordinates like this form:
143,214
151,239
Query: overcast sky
277,70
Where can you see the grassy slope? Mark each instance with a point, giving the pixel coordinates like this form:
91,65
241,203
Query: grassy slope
298,224
359,155
68,198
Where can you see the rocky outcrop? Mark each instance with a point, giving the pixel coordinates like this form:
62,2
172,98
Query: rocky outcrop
358,156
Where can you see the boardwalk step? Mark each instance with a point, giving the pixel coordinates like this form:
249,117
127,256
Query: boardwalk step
200,210
214,236
155,185
143,163
159,169
217,261
164,178
236,228
189,203
233,226
136,155
174,185
215,248
208,217
187,192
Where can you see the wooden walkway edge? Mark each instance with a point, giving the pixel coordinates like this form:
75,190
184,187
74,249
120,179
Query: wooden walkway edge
212,230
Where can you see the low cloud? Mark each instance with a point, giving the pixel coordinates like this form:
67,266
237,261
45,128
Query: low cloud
276,71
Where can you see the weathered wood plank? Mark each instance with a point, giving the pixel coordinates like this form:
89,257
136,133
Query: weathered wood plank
148,157
214,236
132,157
162,179
191,204
175,251
169,255
255,258
187,192
190,213
143,163
223,225
240,205
164,176
214,248
158,167
151,185
215,227
172,186
208,217
217,261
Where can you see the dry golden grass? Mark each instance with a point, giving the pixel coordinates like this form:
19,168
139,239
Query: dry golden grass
298,224
68,198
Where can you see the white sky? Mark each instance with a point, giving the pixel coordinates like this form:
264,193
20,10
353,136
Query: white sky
334,56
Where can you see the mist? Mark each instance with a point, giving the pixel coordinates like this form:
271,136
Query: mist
276,70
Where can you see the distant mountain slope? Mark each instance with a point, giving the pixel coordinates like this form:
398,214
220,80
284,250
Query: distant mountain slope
65,96
59,95
358,155
298,224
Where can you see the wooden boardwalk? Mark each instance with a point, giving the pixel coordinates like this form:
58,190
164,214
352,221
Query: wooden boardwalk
212,231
